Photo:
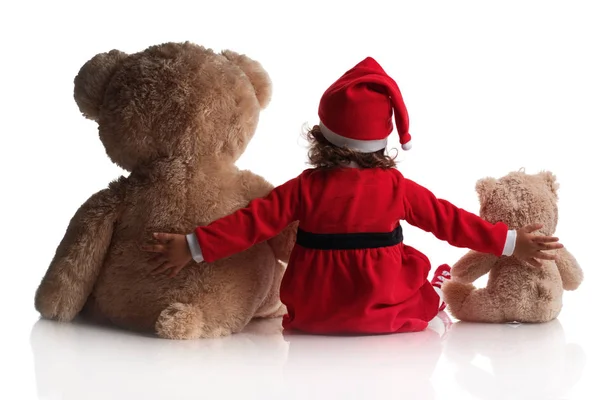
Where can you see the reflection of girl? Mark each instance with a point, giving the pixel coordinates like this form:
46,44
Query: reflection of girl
363,367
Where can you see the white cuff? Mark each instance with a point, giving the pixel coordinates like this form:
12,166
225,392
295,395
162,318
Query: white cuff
511,241
195,247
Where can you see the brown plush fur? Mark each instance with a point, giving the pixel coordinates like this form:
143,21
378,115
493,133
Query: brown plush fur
177,116
515,291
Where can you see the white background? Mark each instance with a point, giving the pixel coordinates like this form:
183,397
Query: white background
490,87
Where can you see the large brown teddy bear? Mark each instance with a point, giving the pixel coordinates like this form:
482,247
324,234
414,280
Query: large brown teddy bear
515,292
176,116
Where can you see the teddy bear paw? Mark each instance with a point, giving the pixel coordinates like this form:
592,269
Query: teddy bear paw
56,304
455,293
281,311
180,321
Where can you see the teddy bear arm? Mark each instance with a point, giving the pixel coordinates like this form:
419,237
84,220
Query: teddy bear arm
472,266
283,243
72,273
569,269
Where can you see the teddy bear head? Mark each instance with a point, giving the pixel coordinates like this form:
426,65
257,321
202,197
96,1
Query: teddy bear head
519,199
173,101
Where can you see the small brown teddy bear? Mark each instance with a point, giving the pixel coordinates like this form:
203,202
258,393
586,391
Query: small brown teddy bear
177,116
516,291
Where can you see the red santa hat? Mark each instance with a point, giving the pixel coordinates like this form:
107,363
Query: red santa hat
356,111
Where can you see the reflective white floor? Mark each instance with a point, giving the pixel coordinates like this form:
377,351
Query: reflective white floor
466,361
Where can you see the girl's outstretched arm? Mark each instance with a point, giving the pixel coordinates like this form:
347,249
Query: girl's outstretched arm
261,220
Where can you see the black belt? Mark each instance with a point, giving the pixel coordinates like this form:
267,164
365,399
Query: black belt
348,241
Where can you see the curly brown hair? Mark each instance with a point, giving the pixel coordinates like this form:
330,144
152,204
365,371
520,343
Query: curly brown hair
322,154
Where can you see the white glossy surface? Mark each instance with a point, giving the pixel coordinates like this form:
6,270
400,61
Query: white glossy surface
467,361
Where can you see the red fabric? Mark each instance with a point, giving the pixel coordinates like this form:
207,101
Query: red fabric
359,105
353,291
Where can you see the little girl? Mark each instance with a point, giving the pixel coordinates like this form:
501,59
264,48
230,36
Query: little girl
350,271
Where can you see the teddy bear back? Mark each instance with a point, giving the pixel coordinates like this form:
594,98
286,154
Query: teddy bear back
173,101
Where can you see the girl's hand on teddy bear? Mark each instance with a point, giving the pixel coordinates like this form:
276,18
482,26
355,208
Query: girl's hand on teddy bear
532,248
173,253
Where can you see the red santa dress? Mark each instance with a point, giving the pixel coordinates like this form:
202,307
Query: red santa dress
350,271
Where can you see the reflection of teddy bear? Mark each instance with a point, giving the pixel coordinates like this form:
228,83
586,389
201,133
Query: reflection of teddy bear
515,291
514,361
77,361
176,116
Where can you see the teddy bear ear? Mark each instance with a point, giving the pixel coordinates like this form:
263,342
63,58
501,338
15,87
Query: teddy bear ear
550,180
92,80
256,73
484,188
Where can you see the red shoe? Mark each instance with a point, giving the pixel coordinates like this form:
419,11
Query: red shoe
441,274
